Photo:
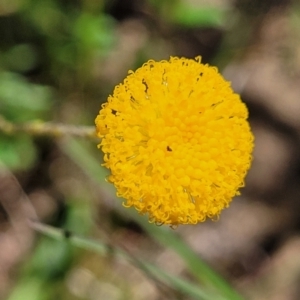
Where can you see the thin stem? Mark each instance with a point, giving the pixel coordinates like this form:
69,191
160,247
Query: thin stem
149,269
40,128
202,271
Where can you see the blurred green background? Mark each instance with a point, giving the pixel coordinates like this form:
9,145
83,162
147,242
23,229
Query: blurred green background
59,60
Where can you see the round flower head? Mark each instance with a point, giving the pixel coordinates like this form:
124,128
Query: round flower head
176,140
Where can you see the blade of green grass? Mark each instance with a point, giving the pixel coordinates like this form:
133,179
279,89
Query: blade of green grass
205,274
104,249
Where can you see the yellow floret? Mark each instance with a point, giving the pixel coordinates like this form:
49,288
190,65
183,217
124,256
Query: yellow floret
176,140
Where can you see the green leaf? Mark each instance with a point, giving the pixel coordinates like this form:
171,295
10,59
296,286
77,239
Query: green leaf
189,16
28,289
20,100
50,259
189,289
94,33
17,152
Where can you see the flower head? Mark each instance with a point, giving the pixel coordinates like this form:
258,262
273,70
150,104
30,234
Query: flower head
176,140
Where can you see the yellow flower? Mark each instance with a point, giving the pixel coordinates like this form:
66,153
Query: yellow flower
176,140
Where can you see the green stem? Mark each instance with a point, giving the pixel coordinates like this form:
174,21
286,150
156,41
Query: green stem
197,266
149,269
40,128
166,236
